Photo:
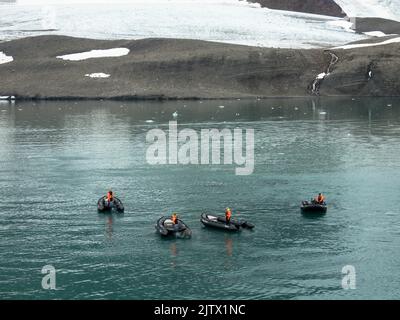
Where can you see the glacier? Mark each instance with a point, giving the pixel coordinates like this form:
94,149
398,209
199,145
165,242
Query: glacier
229,21
386,9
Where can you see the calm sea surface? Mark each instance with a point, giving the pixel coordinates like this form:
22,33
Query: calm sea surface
58,158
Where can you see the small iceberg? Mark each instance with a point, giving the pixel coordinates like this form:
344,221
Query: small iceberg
8,98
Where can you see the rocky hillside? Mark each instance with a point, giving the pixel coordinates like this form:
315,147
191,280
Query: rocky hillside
192,69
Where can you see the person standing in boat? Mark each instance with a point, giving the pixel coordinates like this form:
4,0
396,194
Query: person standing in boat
228,215
320,199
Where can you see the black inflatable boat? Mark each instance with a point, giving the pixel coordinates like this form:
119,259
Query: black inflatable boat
313,207
220,223
104,206
166,227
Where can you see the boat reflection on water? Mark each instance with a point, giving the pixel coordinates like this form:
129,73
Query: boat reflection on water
109,227
174,254
229,245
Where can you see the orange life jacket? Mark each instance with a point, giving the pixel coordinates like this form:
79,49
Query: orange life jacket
320,198
110,197
228,215
174,219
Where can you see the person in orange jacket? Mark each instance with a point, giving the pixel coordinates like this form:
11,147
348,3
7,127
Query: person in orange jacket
320,199
174,218
228,215
110,196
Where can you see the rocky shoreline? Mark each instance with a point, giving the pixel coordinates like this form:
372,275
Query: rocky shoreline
192,69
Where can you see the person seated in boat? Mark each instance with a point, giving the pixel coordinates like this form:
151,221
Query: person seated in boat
174,218
320,199
110,197
228,215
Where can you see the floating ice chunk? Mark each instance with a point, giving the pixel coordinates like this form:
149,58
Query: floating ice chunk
321,76
97,75
5,58
363,45
7,97
115,52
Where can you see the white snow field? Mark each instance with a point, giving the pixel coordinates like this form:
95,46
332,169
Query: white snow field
388,9
228,21
5,58
106,53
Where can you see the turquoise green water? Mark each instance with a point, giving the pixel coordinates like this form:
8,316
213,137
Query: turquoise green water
58,158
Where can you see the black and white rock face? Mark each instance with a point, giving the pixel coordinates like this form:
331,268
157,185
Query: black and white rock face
322,7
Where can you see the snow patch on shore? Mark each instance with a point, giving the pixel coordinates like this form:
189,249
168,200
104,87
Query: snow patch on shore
364,45
97,75
5,58
375,34
107,53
